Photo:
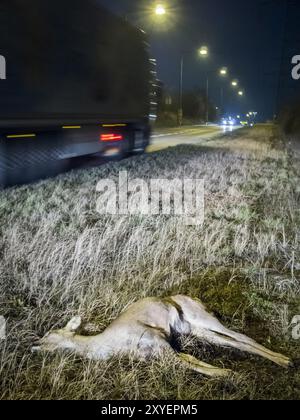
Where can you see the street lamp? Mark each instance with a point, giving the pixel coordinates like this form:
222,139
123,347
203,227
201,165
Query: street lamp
203,51
241,93
234,83
160,10
223,71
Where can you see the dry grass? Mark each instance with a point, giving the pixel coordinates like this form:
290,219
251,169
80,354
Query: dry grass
59,257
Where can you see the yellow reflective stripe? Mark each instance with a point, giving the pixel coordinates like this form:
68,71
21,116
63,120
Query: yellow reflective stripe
113,125
71,127
19,136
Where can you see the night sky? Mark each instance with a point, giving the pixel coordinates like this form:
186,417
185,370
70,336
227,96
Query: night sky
247,37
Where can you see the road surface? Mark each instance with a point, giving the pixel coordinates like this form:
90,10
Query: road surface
163,139
185,135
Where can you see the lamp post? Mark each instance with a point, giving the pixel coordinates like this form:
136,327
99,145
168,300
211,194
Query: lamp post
207,100
223,73
203,52
180,110
222,98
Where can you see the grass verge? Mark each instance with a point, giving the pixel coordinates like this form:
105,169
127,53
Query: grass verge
59,257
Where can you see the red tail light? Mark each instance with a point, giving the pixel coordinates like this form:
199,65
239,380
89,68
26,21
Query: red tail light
111,137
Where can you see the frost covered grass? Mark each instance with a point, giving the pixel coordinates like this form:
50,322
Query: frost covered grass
60,258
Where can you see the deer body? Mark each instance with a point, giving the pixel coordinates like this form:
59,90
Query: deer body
146,329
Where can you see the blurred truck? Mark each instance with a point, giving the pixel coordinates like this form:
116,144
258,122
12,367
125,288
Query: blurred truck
75,80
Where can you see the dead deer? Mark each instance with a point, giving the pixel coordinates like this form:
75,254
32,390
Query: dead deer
146,329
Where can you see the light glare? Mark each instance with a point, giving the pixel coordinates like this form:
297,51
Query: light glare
203,51
160,10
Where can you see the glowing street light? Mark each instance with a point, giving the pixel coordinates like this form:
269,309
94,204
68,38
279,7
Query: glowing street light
223,71
234,83
241,93
203,51
160,10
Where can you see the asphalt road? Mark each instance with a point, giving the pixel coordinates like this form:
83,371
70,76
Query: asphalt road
186,135
163,139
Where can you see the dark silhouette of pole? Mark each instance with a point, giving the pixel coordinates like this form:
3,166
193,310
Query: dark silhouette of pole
180,110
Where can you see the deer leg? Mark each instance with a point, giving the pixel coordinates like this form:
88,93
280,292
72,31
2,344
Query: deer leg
251,346
206,326
228,338
247,344
192,363
203,368
156,346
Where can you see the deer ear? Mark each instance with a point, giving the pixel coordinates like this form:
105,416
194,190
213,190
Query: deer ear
74,324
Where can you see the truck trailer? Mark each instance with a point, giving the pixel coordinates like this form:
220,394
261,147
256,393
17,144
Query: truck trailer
75,80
